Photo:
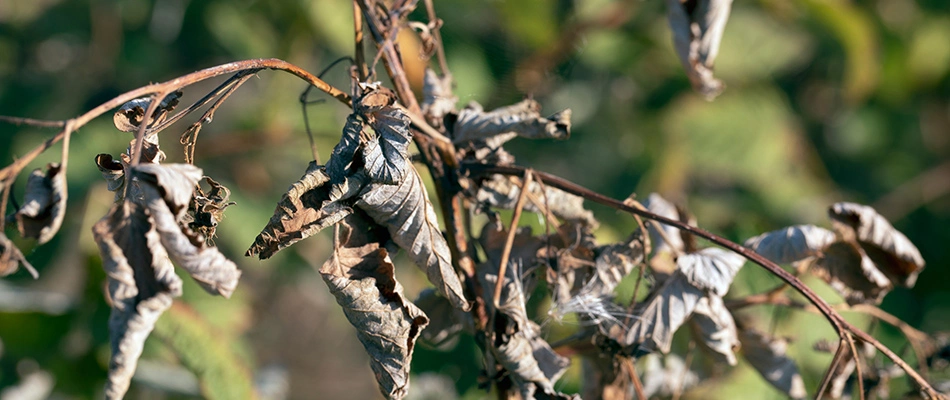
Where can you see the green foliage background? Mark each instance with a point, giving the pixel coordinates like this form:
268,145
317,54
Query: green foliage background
827,100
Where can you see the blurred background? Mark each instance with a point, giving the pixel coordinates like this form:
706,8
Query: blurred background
826,100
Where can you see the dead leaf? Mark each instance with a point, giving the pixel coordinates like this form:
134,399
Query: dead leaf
128,117
768,356
660,206
443,331
503,124
11,258
44,205
387,154
500,192
659,316
113,172
360,275
437,97
890,250
697,30
665,375
711,269
848,270
406,211
614,262
303,211
207,210
713,327
167,191
791,244
342,155
142,284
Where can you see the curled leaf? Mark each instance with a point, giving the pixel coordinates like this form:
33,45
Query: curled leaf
342,155
304,210
663,312
791,244
890,250
499,191
442,332
11,258
847,268
386,155
406,211
768,356
697,30
503,124
711,269
206,210
437,97
44,205
113,172
128,117
660,206
614,262
715,329
142,284
360,275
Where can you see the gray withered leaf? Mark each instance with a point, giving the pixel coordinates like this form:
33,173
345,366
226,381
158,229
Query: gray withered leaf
167,190
890,250
614,262
667,308
437,97
498,191
846,267
302,211
142,284
660,206
113,171
665,375
344,151
503,124
387,154
360,275
128,117
443,331
713,326
711,269
697,30
206,210
44,205
791,244
406,211
11,258
768,356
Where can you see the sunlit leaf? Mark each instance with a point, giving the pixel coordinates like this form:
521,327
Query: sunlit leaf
386,154
715,329
360,275
501,125
768,356
665,375
791,244
437,97
500,192
848,270
342,155
660,206
128,117
711,269
44,205
697,30
661,315
890,250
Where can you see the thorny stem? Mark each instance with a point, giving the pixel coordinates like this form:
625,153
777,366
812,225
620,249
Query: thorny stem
841,326
510,239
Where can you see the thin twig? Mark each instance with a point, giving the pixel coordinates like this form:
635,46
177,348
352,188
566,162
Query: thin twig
190,137
858,369
437,35
510,240
39,123
826,379
631,368
358,52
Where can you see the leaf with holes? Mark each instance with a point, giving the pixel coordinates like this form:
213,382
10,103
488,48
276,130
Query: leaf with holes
44,205
360,275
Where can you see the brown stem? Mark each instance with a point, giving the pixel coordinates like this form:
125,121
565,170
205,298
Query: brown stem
437,35
391,58
841,326
510,240
359,54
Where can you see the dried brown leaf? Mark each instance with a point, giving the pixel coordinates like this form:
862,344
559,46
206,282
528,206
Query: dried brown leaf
142,284
406,211
847,268
342,155
360,275
713,326
661,315
113,171
437,97
207,210
665,375
791,244
128,117
167,191
386,155
503,124
303,211
890,250
697,30
11,258
660,206
614,262
500,192
443,331
44,205
768,356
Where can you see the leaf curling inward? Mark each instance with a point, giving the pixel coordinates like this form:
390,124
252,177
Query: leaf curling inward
360,275
791,244
11,258
768,356
697,31
664,311
167,190
711,269
499,191
305,209
405,210
130,115
660,206
113,171
847,269
437,97
503,124
44,204
386,156
443,331
141,282
887,247
342,155
715,329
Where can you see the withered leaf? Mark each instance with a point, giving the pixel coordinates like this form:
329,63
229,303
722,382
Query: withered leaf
847,268
665,375
113,171
713,326
662,314
791,244
360,275
44,204
128,117
437,97
442,332
768,356
303,211
697,30
503,124
660,206
142,284
500,192
344,151
386,155
406,211
614,262
207,210
890,250
167,191
11,258
711,269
